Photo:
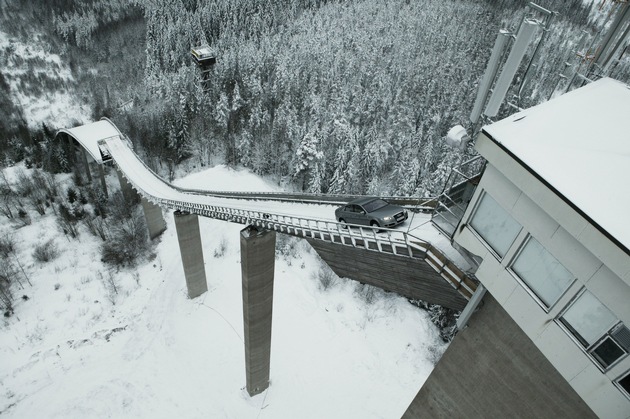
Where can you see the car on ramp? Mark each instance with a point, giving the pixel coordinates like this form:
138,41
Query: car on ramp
371,211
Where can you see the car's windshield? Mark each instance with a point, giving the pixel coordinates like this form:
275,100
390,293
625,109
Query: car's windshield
374,205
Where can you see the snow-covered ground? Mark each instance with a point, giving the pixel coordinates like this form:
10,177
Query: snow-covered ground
30,70
75,349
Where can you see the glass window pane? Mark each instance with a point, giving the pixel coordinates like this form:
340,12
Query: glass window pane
495,225
589,318
625,383
607,352
542,272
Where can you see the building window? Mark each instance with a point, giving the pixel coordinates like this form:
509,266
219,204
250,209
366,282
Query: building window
599,331
542,272
495,225
624,384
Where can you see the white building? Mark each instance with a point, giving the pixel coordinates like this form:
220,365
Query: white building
549,225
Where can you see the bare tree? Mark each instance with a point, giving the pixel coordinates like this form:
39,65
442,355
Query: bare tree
11,261
8,197
127,233
34,195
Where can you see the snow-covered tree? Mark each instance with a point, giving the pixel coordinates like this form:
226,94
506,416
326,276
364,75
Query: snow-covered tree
307,163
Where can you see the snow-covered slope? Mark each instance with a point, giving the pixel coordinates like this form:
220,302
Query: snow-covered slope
39,83
75,349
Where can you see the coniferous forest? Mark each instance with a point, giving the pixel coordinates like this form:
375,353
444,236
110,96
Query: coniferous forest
321,96
332,96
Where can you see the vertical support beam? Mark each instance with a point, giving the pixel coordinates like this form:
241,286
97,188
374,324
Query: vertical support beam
471,307
153,216
258,248
72,156
86,166
70,149
101,175
127,190
187,226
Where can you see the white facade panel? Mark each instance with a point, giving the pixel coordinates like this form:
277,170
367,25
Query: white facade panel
561,351
555,207
502,190
546,199
612,256
500,288
611,291
600,394
525,209
525,311
582,263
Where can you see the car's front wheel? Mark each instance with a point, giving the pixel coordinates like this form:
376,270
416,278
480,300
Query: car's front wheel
343,223
376,226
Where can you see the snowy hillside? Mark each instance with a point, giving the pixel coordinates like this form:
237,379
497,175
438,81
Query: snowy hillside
40,83
93,342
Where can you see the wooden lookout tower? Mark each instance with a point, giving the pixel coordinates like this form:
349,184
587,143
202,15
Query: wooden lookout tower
205,58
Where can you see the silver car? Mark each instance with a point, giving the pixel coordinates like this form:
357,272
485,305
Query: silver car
371,211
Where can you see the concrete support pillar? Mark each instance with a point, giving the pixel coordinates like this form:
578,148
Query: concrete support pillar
153,216
187,226
258,248
70,149
74,161
101,175
86,166
127,190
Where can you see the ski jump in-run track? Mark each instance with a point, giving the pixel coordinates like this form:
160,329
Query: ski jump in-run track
397,260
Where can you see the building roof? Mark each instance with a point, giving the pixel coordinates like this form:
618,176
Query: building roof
579,144
202,53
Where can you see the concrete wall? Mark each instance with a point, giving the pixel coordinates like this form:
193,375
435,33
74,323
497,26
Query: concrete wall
493,370
257,267
101,176
412,278
154,218
127,190
538,322
189,239
152,212
86,166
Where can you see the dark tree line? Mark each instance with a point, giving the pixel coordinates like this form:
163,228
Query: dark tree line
351,96
345,96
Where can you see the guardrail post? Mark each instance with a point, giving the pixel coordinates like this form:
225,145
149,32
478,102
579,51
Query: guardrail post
258,248
189,239
153,216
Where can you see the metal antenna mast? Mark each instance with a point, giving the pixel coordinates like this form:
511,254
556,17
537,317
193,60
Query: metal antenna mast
493,88
599,61
535,18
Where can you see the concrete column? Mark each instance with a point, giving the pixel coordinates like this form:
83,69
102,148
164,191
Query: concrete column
154,218
86,166
74,161
258,248
128,191
187,226
101,175
70,149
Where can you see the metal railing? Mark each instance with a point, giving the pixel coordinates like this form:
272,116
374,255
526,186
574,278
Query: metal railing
395,242
451,204
422,204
